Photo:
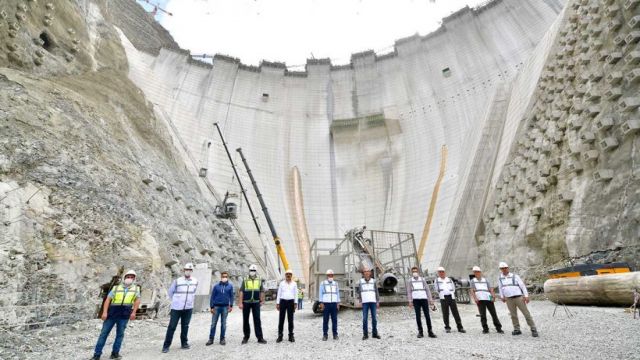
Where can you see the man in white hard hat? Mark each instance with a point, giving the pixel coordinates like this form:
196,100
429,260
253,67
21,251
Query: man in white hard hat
286,304
514,292
447,293
329,295
250,299
182,293
119,307
370,299
420,298
484,296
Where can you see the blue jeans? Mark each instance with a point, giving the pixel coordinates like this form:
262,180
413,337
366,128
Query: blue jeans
300,302
330,310
369,307
107,325
184,316
221,311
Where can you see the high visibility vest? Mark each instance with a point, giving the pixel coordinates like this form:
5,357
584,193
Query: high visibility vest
123,296
509,281
300,294
418,290
368,291
330,292
251,292
185,293
447,284
481,288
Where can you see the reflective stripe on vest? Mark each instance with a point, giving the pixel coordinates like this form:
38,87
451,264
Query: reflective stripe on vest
418,290
330,292
251,290
513,282
480,285
123,296
447,281
185,293
368,290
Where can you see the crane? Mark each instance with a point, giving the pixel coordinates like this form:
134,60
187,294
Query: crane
156,8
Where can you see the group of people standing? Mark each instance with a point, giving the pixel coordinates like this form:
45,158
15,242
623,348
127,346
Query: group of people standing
123,300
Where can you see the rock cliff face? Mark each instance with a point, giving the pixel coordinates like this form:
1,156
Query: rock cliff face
569,189
90,179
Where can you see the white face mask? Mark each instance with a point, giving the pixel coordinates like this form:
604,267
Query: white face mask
187,273
330,279
252,273
128,281
224,280
415,274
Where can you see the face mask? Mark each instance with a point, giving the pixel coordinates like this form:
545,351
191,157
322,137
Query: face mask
415,274
252,273
224,280
187,273
128,281
330,279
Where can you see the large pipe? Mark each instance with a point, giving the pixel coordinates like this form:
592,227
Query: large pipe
609,289
388,281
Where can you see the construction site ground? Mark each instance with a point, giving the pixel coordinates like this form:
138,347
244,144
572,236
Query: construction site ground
596,332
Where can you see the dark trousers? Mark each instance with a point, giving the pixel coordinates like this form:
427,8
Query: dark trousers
286,308
449,303
107,325
184,316
330,310
300,301
483,305
254,309
418,305
366,308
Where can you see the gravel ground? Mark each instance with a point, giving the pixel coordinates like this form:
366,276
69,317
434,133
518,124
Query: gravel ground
594,332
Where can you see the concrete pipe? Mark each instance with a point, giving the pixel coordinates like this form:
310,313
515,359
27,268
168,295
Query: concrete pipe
610,289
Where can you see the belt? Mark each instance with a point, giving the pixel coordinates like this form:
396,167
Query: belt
513,297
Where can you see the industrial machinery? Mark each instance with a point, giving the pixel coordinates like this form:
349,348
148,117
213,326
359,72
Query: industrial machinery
589,269
229,207
390,256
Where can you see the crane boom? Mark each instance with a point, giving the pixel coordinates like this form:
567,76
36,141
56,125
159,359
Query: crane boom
265,210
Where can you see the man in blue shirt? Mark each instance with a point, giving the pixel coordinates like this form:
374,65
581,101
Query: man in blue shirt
220,304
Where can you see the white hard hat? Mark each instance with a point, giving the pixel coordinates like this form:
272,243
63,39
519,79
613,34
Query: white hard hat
253,267
130,272
503,265
329,272
476,268
288,271
440,268
188,266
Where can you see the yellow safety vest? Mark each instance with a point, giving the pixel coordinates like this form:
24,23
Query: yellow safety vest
252,290
124,296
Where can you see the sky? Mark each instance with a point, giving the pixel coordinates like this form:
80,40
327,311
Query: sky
292,31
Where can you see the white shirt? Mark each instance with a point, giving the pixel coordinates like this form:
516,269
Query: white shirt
481,288
445,287
511,285
287,291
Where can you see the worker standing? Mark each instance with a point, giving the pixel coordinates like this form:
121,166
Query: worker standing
420,299
447,293
514,292
119,307
300,298
286,304
182,294
484,296
330,299
370,299
251,298
220,305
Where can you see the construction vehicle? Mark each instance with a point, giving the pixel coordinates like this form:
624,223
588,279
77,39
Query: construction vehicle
589,269
149,299
389,255
229,207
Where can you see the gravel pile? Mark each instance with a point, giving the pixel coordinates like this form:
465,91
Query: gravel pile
592,333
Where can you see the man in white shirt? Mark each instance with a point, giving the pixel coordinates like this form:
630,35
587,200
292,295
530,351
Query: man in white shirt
286,304
370,299
514,292
484,296
447,293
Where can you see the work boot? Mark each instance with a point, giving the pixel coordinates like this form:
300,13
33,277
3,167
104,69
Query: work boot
244,340
185,346
324,337
432,335
376,336
279,339
447,330
499,331
165,350
516,332
291,338
95,357
534,332
223,341
461,330
262,341
210,342
485,331
420,335
335,337
115,356
365,337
